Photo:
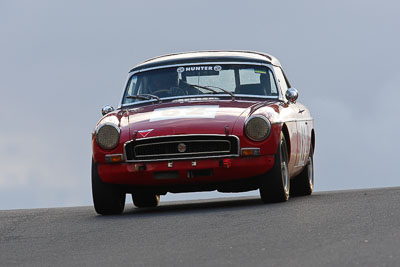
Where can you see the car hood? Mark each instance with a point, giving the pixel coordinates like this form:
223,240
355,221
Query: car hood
212,117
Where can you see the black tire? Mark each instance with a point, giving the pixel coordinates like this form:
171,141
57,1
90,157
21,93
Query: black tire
275,185
145,200
107,198
303,184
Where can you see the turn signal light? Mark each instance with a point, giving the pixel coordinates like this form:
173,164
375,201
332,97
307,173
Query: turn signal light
114,158
250,152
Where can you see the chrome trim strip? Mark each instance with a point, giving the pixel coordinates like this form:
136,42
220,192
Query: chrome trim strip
197,96
269,66
170,136
292,120
112,155
186,135
190,158
305,119
107,123
183,153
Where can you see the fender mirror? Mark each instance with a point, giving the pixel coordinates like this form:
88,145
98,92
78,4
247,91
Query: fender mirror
107,109
291,95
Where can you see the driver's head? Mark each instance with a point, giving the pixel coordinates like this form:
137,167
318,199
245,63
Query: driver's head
265,83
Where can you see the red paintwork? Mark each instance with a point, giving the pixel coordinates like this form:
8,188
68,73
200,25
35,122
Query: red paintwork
230,113
240,168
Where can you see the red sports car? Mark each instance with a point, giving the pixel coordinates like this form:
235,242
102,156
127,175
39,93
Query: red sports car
203,121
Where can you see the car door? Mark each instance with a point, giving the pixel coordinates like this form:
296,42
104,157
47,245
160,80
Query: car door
290,115
303,134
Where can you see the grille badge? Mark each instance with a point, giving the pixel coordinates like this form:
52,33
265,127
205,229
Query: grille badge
181,147
144,133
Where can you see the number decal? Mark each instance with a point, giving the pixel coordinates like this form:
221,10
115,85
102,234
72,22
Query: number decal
303,142
195,111
185,112
170,112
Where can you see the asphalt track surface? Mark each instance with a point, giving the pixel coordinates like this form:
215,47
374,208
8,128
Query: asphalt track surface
341,228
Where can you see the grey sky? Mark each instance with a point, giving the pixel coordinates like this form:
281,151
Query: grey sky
60,61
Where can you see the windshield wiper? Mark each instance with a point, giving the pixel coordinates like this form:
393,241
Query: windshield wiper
209,87
144,97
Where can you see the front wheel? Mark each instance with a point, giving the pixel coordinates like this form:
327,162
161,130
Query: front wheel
303,184
275,185
107,198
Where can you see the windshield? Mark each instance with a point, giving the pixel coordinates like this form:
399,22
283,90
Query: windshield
182,81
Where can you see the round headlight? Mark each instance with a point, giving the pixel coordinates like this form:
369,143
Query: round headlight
257,128
107,136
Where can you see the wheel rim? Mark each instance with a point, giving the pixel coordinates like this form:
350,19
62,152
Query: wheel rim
285,176
284,171
311,172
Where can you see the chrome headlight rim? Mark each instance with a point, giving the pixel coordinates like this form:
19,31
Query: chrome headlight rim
97,134
268,125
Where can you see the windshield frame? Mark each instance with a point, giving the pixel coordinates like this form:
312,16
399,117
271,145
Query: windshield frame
151,101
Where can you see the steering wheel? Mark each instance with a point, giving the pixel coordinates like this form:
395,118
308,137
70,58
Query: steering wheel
176,91
160,91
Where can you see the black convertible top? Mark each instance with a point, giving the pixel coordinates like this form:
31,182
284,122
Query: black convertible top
207,56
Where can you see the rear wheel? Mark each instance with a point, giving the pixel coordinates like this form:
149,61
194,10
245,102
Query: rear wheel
275,185
303,184
107,198
145,200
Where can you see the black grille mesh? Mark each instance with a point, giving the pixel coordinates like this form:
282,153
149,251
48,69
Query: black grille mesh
167,147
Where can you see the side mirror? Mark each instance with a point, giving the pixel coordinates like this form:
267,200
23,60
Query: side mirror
292,95
107,109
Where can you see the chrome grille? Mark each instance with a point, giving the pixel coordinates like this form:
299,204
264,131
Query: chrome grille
195,146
